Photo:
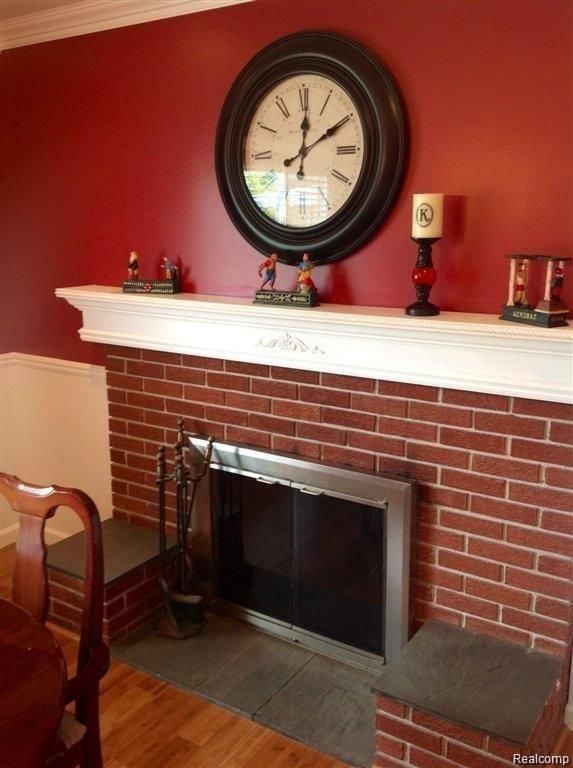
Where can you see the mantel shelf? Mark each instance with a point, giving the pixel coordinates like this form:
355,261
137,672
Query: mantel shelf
474,352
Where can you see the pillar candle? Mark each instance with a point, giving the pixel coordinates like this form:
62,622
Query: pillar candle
427,215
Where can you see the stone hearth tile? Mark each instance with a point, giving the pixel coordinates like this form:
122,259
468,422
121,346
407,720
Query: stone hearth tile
125,547
328,705
324,703
256,674
472,679
190,662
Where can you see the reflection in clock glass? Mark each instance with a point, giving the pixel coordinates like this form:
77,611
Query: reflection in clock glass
303,151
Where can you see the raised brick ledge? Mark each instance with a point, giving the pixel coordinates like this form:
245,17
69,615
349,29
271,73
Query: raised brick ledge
457,698
131,589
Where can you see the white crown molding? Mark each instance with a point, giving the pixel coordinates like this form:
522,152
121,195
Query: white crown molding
472,352
87,16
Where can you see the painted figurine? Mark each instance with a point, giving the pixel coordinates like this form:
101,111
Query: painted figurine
520,283
168,269
556,285
305,283
270,267
133,266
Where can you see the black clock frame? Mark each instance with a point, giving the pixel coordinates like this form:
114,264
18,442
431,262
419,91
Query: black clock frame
376,96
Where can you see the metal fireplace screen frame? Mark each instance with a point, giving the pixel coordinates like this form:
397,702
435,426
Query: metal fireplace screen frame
393,496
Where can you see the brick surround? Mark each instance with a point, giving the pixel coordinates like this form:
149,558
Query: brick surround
494,525
494,530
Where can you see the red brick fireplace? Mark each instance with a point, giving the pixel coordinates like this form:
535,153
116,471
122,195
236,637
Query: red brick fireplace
493,537
494,510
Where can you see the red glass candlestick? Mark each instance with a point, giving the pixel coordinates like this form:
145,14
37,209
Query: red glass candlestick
423,276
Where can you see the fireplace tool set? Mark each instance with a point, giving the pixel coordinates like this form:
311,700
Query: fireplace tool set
184,614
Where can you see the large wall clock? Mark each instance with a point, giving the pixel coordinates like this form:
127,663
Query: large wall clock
311,147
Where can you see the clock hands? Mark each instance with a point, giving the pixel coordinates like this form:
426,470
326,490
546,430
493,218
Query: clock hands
328,133
304,150
304,126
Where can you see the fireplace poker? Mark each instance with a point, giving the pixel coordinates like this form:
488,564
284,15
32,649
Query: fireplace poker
184,615
161,480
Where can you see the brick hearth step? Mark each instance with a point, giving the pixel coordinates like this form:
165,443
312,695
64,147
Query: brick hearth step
454,697
131,588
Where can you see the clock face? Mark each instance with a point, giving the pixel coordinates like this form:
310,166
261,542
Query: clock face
303,151
311,147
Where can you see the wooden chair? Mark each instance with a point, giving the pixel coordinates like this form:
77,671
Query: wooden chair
78,738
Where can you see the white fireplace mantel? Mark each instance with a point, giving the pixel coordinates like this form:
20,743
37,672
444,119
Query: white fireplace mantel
474,352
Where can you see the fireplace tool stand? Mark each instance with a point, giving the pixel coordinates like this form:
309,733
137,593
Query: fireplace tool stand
184,614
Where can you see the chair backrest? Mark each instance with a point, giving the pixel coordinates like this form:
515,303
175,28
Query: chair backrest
35,505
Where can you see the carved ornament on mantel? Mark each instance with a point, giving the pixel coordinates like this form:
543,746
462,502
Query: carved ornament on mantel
288,343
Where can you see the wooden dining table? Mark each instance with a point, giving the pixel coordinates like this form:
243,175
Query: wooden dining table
32,685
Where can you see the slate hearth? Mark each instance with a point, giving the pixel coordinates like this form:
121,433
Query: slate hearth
318,701
480,682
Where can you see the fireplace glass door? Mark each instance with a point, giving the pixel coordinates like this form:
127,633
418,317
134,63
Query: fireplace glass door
253,549
308,558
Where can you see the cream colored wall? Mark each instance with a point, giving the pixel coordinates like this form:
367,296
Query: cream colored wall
54,429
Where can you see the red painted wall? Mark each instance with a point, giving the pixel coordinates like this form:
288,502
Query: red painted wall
108,146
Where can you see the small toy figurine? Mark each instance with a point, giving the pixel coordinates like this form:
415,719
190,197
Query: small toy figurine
305,283
556,285
520,283
270,267
133,266
168,268
551,311
304,295
167,284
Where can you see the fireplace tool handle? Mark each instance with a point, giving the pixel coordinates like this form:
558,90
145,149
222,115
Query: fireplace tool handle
184,613
187,503
161,479
181,496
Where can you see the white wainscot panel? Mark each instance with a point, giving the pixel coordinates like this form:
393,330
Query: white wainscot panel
54,430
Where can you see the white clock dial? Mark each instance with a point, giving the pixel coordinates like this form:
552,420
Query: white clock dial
303,151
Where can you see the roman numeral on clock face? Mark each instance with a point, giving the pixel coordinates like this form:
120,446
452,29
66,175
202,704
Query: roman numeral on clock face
325,103
340,176
346,149
283,107
324,197
303,96
266,155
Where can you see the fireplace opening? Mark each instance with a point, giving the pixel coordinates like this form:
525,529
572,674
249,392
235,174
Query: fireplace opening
307,551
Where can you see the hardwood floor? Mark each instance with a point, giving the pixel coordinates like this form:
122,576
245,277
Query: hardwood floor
146,723
564,744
